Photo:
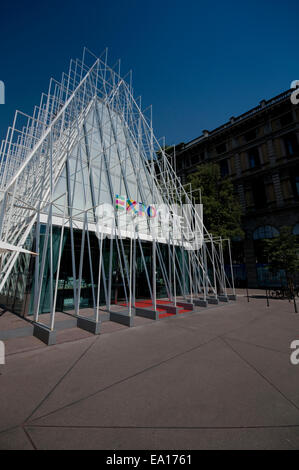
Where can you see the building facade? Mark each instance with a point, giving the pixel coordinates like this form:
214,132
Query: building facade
259,151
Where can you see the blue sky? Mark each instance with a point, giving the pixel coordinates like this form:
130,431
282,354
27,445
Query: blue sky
197,62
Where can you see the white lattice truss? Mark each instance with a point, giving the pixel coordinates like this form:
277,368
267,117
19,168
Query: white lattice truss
90,124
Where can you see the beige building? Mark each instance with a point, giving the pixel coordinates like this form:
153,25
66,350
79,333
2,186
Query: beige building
259,150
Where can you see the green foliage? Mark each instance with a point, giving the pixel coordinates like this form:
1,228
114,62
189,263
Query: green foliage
283,253
221,210
167,149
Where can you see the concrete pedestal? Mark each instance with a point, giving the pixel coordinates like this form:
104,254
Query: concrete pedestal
198,302
213,300
185,305
43,333
122,318
223,298
169,308
232,297
89,325
147,313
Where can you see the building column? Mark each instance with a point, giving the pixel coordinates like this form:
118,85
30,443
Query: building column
238,164
261,155
271,152
242,197
294,113
277,189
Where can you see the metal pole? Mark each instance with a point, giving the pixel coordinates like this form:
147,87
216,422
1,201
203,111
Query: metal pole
205,269
154,276
190,276
174,270
222,267
99,279
231,267
131,269
58,267
295,304
214,267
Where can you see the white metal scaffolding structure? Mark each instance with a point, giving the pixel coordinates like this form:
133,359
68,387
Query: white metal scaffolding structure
88,143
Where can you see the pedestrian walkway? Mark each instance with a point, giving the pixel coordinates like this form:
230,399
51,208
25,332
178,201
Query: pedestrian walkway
217,378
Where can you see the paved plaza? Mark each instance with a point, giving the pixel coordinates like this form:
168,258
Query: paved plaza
218,378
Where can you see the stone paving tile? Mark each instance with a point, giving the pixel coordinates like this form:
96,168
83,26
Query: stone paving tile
28,377
72,334
18,345
170,439
119,355
15,439
270,331
274,366
219,378
207,387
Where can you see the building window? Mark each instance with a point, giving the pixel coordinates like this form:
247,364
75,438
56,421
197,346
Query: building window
254,158
294,175
251,135
259,237
221,148
296,186
265,231
291,144
286,119
224,170
296,229
194,160
259,194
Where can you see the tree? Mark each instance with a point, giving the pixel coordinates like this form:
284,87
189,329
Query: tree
221,210
283,254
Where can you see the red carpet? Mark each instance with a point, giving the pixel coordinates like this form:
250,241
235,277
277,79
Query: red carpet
147,303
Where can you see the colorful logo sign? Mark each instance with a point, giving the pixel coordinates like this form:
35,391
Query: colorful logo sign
137,208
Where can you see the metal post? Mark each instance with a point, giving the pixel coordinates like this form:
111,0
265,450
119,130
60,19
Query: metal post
190,276
205,269
231,267
99,278
131,269
58,268
214,267
154,276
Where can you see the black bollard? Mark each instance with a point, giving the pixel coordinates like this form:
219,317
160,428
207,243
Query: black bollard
295,304
268,303
247,294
